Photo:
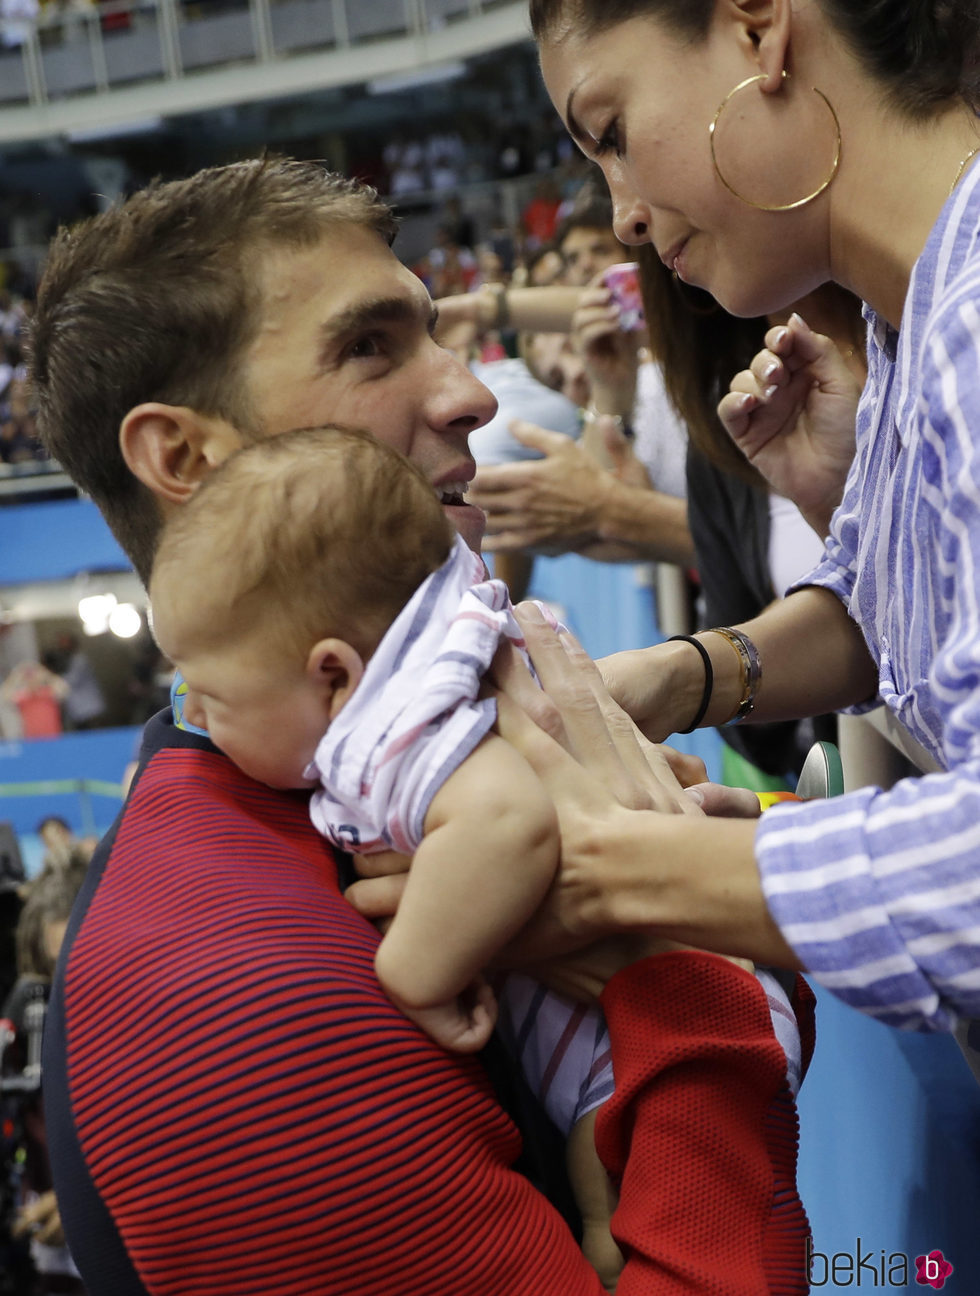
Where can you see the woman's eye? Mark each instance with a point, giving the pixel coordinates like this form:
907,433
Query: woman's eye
610,141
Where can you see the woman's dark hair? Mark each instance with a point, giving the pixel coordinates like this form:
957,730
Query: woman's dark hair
925,51
699,347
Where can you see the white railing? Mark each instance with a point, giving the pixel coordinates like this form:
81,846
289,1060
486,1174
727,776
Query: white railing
84,49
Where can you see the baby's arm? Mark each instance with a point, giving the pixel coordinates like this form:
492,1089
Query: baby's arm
488,856
596,1200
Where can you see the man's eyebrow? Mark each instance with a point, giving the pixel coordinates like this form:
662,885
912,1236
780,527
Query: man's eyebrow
369,314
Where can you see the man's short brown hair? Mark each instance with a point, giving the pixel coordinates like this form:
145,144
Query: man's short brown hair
155,300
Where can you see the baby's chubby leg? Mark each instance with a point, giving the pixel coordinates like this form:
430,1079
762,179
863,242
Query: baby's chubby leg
596,1199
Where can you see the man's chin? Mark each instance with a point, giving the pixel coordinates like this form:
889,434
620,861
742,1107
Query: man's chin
469,521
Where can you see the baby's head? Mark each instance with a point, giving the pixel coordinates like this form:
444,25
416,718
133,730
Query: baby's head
276,581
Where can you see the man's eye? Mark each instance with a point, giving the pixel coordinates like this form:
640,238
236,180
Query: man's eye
365,347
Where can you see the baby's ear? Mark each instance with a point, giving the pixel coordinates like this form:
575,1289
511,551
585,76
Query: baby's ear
334,669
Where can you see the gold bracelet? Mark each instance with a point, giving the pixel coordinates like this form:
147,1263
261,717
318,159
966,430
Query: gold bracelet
751,667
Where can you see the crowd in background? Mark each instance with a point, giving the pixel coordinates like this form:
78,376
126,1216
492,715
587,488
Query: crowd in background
34,1260
18,437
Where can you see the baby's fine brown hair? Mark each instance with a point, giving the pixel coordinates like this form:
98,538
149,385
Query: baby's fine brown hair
316,532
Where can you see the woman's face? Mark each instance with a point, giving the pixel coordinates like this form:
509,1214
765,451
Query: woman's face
639,99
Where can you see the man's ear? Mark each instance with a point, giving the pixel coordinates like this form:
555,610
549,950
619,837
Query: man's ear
335,669
767,25
170,448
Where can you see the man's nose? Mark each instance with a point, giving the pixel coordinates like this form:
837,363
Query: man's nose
458,401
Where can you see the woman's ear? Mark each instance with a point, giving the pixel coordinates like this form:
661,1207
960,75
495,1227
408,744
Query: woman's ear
170,448
767,25
334,668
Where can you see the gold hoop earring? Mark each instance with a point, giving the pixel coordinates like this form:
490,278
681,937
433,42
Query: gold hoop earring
773,207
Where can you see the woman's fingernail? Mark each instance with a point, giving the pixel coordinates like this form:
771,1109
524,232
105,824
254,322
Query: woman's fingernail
696,796
771,368
744,402
769,391
781,336
530,612
799,321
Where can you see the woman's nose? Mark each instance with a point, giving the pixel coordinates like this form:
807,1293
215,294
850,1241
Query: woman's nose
631,220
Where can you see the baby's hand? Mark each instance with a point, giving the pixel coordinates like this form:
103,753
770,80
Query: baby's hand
378,892
462,1026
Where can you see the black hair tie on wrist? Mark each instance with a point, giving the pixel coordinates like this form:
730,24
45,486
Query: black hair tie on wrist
709,679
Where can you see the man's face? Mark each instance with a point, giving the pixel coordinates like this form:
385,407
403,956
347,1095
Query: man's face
554,361
345,337
587,252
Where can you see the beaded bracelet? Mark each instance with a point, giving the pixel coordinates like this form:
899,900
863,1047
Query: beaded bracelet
748,658
709,679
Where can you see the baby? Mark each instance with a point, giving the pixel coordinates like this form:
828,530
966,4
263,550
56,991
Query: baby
332,631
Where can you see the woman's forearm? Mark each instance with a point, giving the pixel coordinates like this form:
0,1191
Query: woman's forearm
693,880
813,656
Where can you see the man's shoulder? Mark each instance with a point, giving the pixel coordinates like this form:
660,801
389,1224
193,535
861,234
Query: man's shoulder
189,806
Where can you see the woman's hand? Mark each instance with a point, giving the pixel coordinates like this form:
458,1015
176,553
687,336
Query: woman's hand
597,768
659,688
792,414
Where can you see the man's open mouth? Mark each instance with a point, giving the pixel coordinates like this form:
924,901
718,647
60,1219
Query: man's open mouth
453,492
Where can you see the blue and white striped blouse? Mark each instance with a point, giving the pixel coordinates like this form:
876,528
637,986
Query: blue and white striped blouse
879,892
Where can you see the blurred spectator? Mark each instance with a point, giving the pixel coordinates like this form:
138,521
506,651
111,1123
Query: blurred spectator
443,174
520,395
14,316
149,682
586,240
19,441
405,162
83,705
17,21
511,144
62,848
37,694
56,833
460,226
490,266
6,374
40,932
540,216
543,266
452,268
